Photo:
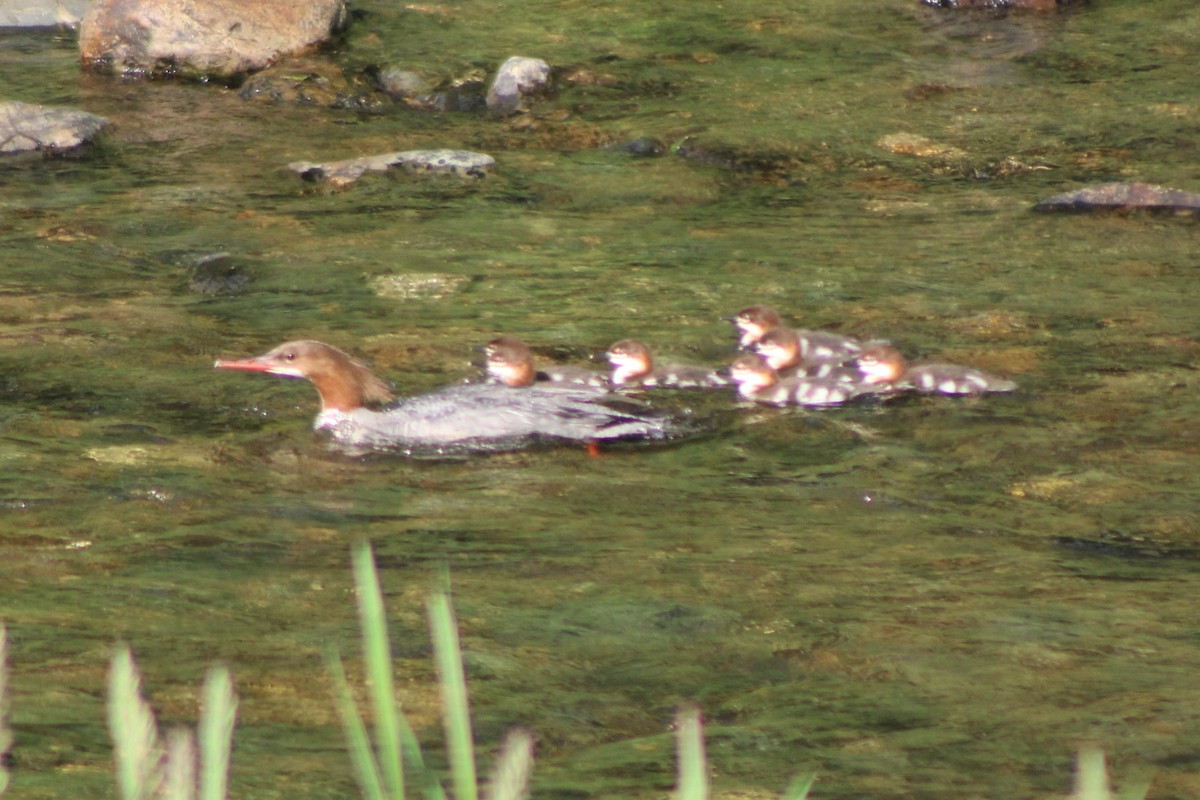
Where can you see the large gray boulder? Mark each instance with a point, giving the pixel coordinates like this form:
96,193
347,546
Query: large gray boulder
25,127
202,38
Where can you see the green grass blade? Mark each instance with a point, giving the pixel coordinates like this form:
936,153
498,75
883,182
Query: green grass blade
800,787
216,733
448,654
693,766
510,777
377,655
5,731
134,733
356,733
416,762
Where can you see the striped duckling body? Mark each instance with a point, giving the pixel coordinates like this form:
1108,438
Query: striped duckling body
758,382
509,361
809,354
885,367
634,366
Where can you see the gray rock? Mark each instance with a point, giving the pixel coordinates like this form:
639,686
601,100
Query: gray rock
402,84
643,146
517,78
1123,197
41,13
26,127
201,38
216,273
450,162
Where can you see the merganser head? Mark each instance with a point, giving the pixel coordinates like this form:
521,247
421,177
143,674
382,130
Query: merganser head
630,359
779,348
751,374
880,363
509,361
754,321
343,382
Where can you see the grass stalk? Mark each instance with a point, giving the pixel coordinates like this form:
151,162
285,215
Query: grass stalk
510,776
216,733
179,780
416,762
134,733
377,657
6,736
1091,775
693,764
452,677
799,788
357,741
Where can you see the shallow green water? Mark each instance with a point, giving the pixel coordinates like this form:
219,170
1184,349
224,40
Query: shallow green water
932,599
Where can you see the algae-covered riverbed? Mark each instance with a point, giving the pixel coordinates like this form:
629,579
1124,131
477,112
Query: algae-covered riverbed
930,599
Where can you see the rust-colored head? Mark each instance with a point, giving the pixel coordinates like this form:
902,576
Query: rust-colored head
343,382
880,363
509,361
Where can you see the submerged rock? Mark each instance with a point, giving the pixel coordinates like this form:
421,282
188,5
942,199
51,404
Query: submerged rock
1036,5
201,38
313,82
216,273
766,164
418,285
26,127
463,163
1123,197
643,146
401,84
912,144
517,78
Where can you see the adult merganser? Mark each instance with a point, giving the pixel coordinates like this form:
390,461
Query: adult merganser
510,361
634,366
812,354
758,382
752,322
885,367
457,419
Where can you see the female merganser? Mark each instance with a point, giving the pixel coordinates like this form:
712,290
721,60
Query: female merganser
510,361
752,322
812,354
758,382
884,367
634,366
457,419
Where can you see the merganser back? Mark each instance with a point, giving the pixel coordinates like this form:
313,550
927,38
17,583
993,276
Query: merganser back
885,367
510,361
457,419
758,382
634,366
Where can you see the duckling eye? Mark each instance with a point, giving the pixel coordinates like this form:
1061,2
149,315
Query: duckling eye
289,356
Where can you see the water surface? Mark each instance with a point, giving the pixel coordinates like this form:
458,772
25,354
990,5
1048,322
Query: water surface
932,598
